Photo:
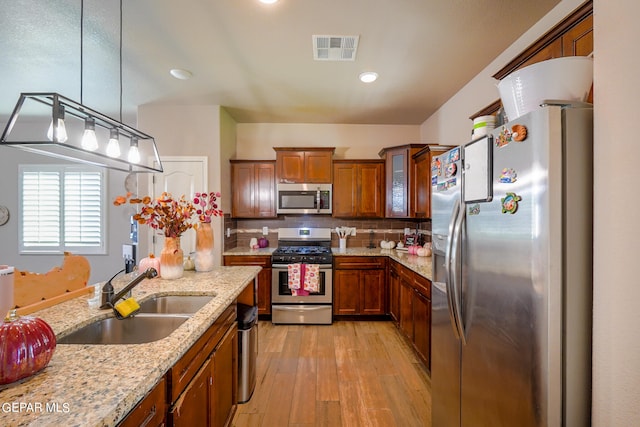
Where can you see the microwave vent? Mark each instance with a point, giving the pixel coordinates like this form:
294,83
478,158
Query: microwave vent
335,48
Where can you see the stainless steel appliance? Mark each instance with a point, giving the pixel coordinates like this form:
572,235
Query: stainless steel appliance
304,198
512,295
305,246
247,350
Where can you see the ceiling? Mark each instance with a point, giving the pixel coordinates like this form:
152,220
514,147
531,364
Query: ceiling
254,59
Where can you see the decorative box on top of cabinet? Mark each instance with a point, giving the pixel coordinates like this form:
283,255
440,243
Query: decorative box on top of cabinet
422,173
400,182
304,165
253,189
358,188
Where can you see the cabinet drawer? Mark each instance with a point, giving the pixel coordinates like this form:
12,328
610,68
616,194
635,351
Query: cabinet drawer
233,260
185,369
422,285
359,262
150,411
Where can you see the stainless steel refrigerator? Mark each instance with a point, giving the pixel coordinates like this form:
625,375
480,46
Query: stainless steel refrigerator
512,289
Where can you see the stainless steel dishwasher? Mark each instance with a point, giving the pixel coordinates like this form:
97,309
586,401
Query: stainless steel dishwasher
247,350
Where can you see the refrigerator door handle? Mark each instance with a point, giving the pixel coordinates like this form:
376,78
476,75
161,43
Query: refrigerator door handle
448,267
455,264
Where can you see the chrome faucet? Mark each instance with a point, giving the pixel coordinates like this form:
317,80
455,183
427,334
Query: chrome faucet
108,298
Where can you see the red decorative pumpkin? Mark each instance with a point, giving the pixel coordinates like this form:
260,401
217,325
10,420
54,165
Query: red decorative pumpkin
26,347
150,262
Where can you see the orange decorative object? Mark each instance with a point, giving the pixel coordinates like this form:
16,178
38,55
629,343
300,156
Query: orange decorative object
519,133
204,260
171,259
71,278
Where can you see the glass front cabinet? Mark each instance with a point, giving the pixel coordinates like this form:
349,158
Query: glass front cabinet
399,186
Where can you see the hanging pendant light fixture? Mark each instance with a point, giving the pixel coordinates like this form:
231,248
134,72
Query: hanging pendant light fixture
76,132
57,132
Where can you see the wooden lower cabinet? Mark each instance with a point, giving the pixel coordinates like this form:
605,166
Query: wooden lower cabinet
410,307
422,326
191,408
223,385
203,387
151,411
394,292
264,277
359,285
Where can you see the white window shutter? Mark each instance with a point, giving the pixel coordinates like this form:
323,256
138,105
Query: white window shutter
41,209
62,209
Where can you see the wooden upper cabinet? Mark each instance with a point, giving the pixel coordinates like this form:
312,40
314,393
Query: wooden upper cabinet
571,37
400,180
422,178
578,40
358,190
253,189
304,165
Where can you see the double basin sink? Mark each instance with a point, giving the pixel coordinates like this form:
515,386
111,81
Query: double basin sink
157,319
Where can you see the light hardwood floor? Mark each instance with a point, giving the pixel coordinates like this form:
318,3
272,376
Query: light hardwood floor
346,374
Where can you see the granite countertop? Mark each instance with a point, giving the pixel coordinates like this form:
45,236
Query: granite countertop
97,385
421,265
249,251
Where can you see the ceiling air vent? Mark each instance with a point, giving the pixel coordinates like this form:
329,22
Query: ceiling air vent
335,48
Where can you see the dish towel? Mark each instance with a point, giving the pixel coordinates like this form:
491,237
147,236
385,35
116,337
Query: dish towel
311,277
295,273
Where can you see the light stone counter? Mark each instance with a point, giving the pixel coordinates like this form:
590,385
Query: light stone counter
97,385
249,251
419,264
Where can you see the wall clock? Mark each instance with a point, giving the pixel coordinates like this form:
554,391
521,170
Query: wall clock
4,215
131,184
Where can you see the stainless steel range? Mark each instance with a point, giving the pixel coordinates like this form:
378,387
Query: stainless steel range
309,247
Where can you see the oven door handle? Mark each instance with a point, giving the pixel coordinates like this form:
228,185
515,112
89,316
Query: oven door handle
306,307
284,266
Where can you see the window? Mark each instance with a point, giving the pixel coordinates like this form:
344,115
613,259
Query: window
62,209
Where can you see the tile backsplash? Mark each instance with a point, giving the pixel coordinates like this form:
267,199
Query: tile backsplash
368,231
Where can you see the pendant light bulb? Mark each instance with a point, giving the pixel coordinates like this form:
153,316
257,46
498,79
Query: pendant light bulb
61,130
134,153
89,140
113,147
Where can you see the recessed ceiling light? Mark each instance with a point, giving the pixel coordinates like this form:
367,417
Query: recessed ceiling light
181,74
268,1
368,77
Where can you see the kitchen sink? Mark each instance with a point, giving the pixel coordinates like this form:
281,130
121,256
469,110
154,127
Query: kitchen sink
132,330
174,304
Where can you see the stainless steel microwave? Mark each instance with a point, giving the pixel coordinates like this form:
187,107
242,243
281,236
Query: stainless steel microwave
304,199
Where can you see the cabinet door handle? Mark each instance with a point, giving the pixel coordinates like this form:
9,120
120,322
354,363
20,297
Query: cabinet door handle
150,416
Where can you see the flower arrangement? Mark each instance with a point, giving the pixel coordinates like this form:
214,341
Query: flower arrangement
167,214
206,206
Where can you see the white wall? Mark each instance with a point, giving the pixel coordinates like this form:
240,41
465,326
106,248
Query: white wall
616,341
198,130
256,140
616,355
102,266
